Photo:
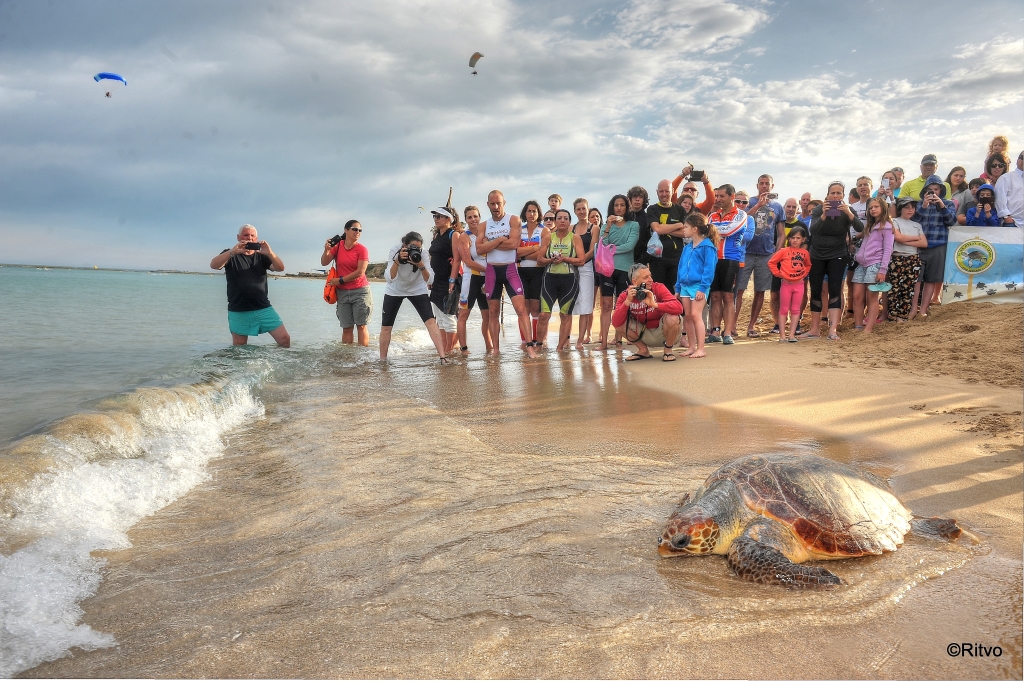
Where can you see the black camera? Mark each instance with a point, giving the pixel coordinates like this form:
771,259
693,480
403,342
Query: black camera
252,246
333,241
641,291
415,254
695,176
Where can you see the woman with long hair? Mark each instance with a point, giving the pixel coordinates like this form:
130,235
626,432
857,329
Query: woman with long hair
584,307
474,268
957,181
872,259
830,229
531,274
623,234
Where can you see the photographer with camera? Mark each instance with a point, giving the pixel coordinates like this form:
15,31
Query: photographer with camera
647,314
354,300
407,277
936,215
983,213
245,267
692,177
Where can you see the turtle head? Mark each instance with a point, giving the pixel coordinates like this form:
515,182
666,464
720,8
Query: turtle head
689,530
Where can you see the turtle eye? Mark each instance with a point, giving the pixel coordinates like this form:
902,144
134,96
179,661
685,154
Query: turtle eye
681,541
659,541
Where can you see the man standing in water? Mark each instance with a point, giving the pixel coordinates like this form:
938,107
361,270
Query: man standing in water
499,243
245,266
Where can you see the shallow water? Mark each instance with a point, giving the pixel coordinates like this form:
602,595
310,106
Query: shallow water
314,513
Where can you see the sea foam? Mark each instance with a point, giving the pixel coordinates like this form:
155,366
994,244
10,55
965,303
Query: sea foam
144,450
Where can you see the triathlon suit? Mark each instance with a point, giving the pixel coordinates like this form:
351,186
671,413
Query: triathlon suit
561,282
502,273
441,257
473,285
530,272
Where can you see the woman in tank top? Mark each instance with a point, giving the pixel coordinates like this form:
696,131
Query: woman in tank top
585,300
533,230
474,268
561,254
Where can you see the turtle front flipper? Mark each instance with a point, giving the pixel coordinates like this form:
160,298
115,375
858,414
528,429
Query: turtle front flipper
936,528
757,562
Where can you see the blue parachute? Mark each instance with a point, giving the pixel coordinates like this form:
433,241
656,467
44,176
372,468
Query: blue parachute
108,76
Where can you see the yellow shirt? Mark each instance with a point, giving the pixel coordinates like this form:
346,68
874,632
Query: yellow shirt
912,189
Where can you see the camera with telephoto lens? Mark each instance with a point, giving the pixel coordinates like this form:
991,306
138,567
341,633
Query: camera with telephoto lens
641,291
415,254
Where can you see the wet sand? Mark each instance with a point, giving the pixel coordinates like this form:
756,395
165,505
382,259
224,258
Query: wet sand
498,519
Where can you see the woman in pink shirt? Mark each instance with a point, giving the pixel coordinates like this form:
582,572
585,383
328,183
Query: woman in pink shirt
354,300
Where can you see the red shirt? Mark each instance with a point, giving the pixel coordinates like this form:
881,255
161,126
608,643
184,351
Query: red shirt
641,312
347,261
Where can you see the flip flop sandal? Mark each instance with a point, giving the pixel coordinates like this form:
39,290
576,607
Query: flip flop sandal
636,357
667,356
753,334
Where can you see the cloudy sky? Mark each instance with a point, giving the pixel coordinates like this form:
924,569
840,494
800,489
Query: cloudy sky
296,116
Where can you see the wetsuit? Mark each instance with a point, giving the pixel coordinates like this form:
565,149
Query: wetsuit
502,273
561,282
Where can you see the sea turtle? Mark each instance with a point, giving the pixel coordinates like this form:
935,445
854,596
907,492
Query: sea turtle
768,513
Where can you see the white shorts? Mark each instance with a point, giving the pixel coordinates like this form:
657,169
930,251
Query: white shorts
445,322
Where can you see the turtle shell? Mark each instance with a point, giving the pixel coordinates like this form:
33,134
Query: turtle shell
835,509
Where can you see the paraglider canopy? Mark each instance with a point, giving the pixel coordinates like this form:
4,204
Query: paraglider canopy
474,59
108,76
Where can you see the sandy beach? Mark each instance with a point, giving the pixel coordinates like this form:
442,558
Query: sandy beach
423,554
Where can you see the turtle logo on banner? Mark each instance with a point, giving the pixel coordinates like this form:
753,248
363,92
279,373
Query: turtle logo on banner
974,256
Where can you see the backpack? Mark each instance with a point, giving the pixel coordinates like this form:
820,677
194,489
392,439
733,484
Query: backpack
331,292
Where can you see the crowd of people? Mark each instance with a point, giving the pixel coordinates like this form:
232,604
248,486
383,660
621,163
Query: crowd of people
670,274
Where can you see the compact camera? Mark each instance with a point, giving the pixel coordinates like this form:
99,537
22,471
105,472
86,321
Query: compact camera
333,241
252,246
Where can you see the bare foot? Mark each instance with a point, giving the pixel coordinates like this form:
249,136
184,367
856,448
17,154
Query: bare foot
685,353
697,354
602,347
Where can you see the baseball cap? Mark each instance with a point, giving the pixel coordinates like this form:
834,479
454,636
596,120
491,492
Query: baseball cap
442,211
903,203
929,158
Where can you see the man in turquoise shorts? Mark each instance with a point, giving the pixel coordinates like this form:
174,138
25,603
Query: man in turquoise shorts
249,310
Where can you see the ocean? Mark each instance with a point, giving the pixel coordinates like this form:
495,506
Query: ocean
173,506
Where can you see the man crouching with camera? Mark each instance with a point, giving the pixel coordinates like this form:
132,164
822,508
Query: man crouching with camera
647,314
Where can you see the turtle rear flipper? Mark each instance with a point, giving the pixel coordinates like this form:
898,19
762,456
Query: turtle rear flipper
936,528
757,562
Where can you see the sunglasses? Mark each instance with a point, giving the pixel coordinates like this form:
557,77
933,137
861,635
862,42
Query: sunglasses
742,201
549,219
355,229
998,165
437,217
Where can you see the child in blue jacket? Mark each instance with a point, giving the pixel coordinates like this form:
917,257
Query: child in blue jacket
984,213
696,270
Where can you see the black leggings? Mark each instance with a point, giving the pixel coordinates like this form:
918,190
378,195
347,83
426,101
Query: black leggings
834,268
393,303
